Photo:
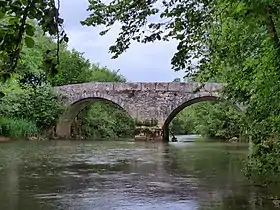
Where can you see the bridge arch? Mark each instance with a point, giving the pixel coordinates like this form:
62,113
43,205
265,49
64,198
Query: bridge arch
63,127
142,100
187,103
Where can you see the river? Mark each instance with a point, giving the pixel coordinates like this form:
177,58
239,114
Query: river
118,175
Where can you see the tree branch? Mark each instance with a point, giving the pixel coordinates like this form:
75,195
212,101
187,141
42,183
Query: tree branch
15,54
271,27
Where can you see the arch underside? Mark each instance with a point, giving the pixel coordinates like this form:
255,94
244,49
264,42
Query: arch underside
63,128
173,114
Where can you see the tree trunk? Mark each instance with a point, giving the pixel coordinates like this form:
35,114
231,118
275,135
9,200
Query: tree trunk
272,28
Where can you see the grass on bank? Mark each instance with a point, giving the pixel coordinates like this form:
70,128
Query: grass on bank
17,128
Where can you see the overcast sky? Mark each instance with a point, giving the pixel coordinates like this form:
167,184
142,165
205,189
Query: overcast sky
142,62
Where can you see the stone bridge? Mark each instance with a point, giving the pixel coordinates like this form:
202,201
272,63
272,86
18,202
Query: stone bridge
142,101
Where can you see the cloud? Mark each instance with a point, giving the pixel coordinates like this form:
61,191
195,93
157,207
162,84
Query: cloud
142,62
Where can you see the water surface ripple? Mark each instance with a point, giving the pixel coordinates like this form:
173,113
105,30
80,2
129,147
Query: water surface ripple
111,175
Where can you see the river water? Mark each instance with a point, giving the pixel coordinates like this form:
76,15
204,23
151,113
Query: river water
112,175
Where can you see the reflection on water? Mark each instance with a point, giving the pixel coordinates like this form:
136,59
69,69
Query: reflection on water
188,138
126,175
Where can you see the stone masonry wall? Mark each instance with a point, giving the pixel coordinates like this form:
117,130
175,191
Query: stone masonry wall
141,100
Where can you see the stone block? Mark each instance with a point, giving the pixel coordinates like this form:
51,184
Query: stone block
127,86
183,86
102,86
161,86
148,86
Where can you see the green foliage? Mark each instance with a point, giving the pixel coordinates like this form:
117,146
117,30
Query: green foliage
17,128
40,105
212,119
184,123
103,120
263,166
32,59
44,103
180,20
17,28
246,57
28,93
103,74
74,68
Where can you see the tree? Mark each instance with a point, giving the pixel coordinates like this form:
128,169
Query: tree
233,41
210,119
73,68
17,26
185,21
190,22
30,104
38,104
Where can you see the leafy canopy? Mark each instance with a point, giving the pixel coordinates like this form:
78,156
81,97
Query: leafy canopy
185,21
29,105
18,19
190,22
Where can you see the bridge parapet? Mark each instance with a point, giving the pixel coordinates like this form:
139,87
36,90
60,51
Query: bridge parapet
189,87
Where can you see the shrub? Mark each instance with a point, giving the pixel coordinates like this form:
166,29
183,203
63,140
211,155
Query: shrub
103,120
211,119
40,105
17,128
263,166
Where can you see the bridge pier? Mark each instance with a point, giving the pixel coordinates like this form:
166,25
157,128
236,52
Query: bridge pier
158,133
63,130
146,133
165,137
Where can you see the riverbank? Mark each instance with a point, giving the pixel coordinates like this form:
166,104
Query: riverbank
6,139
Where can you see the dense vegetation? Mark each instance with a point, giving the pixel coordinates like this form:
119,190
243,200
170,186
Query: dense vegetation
103,120
17,27
212,119
29,106
231,41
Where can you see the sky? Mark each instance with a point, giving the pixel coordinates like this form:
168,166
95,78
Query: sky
141,63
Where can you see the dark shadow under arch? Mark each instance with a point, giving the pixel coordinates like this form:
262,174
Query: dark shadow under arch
184,105
63,127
